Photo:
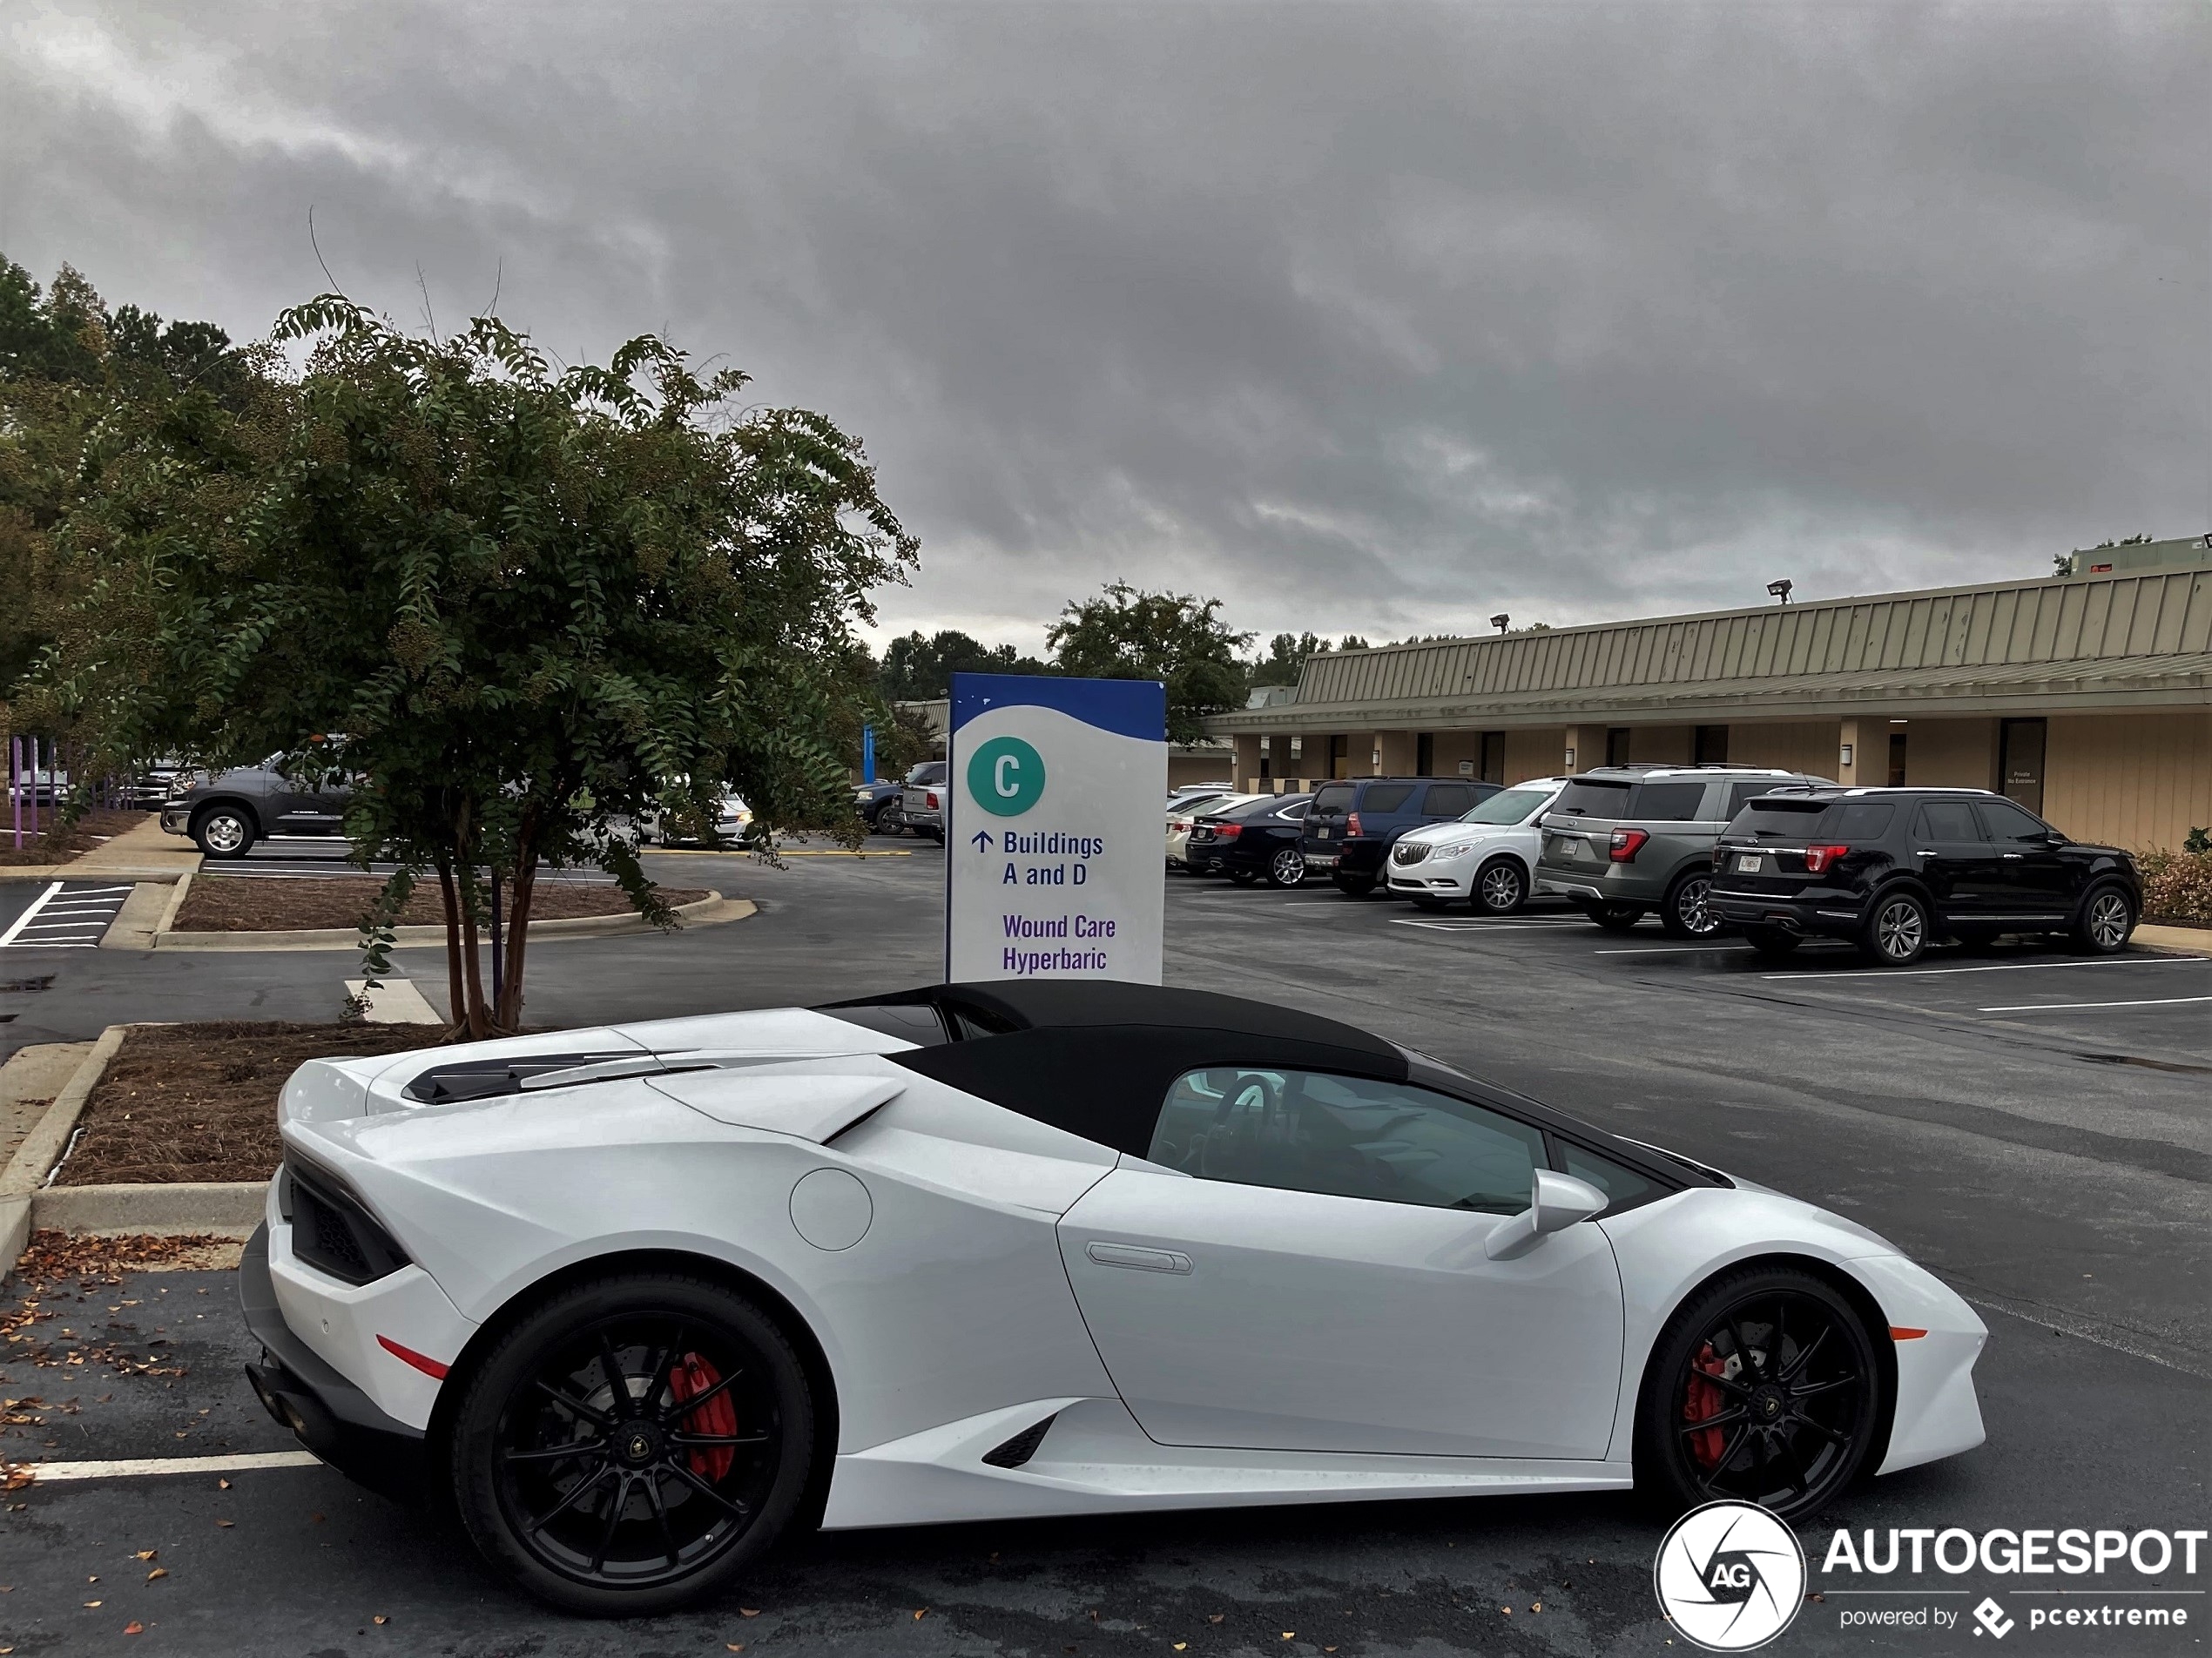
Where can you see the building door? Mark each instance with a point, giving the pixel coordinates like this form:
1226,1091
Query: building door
1339,757
1425,754
1897,760
2019,761
1712,747
1617,745
1494,757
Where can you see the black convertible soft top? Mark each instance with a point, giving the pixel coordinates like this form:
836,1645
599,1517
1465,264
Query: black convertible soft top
1096,1058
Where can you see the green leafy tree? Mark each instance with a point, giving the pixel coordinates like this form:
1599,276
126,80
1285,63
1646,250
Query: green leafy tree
1173,637
532,605
921,670
1287,657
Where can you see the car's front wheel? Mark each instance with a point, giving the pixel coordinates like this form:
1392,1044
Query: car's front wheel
224,831
1286,868
1501,888
633,1444
1762,1388
2108,917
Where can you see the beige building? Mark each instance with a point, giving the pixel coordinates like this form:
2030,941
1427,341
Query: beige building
2086,697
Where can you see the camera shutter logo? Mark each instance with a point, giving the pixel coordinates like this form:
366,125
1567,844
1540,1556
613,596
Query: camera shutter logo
1731,1576
1006,776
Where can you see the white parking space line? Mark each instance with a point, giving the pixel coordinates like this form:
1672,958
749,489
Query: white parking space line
2075,1007
29,915
1673,949
2002,966
45,1473
1482,927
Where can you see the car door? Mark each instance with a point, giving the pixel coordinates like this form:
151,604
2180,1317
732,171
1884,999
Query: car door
2038,880
1301,1267
1960,868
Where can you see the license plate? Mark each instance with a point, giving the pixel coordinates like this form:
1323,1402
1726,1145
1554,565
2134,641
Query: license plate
1749,863
1322,834
1571,848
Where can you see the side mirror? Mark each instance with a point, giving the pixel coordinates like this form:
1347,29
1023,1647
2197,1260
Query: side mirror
1556,1203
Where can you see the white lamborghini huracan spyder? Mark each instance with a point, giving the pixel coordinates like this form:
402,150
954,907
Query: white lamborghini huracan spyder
638,1300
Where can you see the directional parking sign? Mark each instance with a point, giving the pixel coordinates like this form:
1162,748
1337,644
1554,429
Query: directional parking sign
1054,867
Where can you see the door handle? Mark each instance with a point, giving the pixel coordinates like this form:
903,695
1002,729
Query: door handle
1143,1260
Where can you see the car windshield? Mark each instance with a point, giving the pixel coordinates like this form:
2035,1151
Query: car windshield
1196,803
1513,806
1594,797
1259,808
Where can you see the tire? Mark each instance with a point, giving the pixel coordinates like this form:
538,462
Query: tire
224,831
1614,918
1243,878
2105,918
1784,1368
1896,931
937,835
1353,886
1286,868
890,821
719,1505
1429,905
1686,912
1500,888
1772,942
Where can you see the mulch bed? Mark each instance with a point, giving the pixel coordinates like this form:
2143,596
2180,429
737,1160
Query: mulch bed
52,848
257,904
188,1103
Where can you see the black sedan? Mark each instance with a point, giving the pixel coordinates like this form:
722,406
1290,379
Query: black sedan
1253,842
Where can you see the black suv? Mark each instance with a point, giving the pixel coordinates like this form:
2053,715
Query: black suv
1895,869
1353,823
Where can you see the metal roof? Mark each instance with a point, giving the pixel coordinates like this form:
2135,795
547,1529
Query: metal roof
2126,639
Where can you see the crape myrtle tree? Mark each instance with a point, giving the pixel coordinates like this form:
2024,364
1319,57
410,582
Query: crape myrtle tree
515,607
1174,638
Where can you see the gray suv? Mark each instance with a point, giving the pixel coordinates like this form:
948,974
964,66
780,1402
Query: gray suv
225,814
1623,841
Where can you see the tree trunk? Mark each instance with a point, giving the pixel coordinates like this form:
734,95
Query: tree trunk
523,886
456,998
472,965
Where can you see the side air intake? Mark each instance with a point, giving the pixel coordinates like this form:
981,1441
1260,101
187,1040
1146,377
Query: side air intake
1023,1446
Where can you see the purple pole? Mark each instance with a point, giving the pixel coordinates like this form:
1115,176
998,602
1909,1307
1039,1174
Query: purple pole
15,785
34,788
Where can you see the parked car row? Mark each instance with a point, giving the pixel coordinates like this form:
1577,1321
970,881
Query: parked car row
1781,856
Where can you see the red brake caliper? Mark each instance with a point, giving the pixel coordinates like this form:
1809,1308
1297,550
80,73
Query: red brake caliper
1701,1400
692,1377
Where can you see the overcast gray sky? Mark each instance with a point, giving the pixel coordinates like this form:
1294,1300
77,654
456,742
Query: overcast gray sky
1366,317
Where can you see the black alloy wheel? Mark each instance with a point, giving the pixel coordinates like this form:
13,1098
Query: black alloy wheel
1773,942
1689,912
1895,933
224,831
1614,918
1286,867
889,820
1764,1390
1501,888
1354,885
2108,917
633,1444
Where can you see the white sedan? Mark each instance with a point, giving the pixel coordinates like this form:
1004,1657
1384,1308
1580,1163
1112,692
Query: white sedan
638,1300
1488,857
1186,813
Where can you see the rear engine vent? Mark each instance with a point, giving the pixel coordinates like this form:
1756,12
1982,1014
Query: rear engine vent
1023,1446
333,1233
481,1079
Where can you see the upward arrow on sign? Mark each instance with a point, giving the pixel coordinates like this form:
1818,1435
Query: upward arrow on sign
981,840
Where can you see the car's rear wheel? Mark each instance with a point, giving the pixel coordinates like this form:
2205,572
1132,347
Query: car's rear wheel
1895,931
224,831
1772,941
633,1444
1687,912
1614,918
1354,885
1500,888
1287,867
2108,917
1242,877
1762,1388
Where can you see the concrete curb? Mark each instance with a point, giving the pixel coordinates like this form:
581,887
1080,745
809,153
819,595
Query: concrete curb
140,916
43,1147
706,911
228,1208
2196,941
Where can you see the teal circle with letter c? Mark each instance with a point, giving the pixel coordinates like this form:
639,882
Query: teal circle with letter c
1006,776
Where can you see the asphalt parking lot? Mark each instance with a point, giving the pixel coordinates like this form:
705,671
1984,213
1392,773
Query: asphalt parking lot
2031,1126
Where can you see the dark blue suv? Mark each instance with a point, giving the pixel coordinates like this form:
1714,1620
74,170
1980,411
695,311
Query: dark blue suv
1352,823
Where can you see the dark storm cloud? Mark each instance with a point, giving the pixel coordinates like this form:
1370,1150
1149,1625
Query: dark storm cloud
1363,317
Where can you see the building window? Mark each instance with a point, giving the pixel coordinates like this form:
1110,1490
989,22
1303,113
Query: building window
2019,761
1339,757
1297,748
1897,760
1425,754
1266,760
1494,757
1711,746
1617,745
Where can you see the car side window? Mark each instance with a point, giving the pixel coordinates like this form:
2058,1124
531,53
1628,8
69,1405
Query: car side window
2005,821
1345,1136
1622,1185
1387,797
1741,794
1668,802
1859,820
1449,800
1941,820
